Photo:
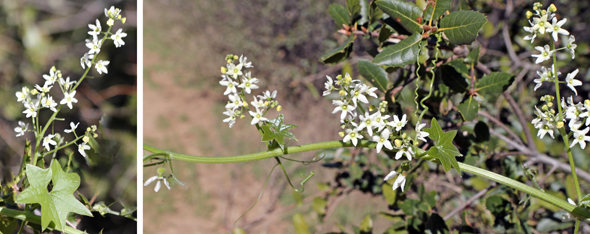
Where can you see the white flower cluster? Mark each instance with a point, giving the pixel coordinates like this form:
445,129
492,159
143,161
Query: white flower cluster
353,95
39,98
238,83
547,119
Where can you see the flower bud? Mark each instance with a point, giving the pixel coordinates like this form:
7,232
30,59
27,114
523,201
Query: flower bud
543,12
339,77
85,139
398,143
342,93
552,8
93,127
348,78
587,102
371,108
123,20
529,14
236,57
341,134
34,92
382,110
229,61
242,116
161,171
95,135
88,129
223,70
560,124
544,108
110,22
550,104
244,104
279,108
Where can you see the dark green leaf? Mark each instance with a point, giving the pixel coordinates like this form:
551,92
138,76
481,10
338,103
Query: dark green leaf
384,33
338,54
443,150
497,205
495,83
482,132
374,13
339,14
436,225
473,57
461,27
366,225
463,5
438,10
57,204
404,12
547,225
409,206
374,74
354,8
468,108
453,75
275,129
400,54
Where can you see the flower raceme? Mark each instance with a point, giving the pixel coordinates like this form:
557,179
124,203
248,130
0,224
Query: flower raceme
42,97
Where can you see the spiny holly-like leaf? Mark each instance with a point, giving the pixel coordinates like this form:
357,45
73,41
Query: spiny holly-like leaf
461,27
400,54
468,108
275,129
55,205
338,54
440,7
404,12
443,148
339,14
373,73
494,83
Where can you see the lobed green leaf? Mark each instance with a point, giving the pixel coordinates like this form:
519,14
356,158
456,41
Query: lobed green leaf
443,150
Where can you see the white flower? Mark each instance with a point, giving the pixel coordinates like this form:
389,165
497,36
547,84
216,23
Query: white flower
248,83
541,24
51,78
159,178
545,75
530,30
234,102
404,150
45,89
329,85
546,53
22,95
101,66
257,116
86,59
357,94
95,29
93,45
398,124
72,127
231,119
30,109
112,12
48,140
48,102
400,182
268,96
118,38
352,135
230,84
383,140
233,70
371,92
244,63
342,106
571,82
69,99
66,83
421,134
21,129
580,137
379,121
258,103
82,147
367,122
545,128
556,28
571,47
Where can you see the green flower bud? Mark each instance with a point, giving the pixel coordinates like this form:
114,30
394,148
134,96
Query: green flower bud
161,171
341,134
552,8
560,124
529,14
223,70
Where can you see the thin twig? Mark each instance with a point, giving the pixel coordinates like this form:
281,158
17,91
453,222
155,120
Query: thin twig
523,121
468,202
500,124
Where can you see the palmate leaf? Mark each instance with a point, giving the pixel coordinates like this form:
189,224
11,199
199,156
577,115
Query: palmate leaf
55,205
275,129
461,27
443,148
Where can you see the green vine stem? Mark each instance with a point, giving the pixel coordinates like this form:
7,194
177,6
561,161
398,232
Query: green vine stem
576,211
29,217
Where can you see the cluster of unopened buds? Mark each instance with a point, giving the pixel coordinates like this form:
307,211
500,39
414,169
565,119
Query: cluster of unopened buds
238,83
40,97
548,120
352,97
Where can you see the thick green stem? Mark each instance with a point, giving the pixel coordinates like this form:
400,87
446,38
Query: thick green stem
577,211
29,217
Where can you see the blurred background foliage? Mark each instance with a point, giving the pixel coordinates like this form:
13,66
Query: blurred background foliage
185,43
36,35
